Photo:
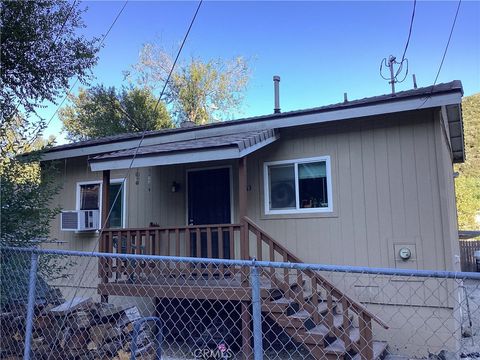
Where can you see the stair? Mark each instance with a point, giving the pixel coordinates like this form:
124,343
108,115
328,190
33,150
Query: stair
312,311
321,342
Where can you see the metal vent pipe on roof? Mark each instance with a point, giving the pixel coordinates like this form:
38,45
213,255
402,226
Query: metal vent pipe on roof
276,86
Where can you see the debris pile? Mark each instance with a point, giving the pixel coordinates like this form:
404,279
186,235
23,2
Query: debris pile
77,329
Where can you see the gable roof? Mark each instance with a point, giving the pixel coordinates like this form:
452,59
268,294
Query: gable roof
427,97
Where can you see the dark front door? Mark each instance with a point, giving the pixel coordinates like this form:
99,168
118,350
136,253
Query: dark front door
209,203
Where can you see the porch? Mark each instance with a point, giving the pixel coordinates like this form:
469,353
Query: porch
302,303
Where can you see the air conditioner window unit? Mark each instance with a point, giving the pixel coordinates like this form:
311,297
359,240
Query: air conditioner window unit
80,220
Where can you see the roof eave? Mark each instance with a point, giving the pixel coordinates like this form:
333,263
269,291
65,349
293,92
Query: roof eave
451,97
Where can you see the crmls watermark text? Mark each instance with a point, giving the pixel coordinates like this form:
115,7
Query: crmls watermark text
213,353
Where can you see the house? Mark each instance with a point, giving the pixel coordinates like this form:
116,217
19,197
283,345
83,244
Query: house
366,182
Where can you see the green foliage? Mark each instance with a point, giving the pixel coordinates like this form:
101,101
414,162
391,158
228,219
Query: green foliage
101,111
40,51
27,189
26,192
198,91
467,185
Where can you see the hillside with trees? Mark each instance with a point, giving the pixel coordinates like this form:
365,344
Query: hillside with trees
467,185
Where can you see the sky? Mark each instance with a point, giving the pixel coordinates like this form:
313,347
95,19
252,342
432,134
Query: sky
319,49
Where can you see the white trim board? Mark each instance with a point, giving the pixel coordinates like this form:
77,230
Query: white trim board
297,210
100,198
184,157
287,121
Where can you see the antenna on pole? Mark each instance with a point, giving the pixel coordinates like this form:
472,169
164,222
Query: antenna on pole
393,76
391,62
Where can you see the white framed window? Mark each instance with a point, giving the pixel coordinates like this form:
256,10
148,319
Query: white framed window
298,186
89,197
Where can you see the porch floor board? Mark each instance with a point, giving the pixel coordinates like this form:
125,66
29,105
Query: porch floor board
181,287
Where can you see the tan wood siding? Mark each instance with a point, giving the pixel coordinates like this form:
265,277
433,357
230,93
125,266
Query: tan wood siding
386,193
392,187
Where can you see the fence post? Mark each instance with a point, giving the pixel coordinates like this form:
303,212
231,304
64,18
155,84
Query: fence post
31,304
256,312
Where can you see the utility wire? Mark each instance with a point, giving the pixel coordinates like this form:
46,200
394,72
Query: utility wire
102,41
118,193
408,40
56,37
64,23
444,54
145,130
392,61
448,42
122,186
52,45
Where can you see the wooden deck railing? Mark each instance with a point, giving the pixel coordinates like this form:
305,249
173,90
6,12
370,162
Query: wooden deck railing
267,249
222,241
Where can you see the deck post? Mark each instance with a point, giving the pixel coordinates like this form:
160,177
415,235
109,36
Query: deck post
105,225
105,198
246,333
242,205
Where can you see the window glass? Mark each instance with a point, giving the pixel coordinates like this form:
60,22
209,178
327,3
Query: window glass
282,187
312,185
89,197
298,186
117,207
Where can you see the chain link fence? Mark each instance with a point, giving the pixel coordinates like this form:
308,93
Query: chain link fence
72,305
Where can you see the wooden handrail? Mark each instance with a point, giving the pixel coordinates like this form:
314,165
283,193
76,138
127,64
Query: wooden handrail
172,228
359,309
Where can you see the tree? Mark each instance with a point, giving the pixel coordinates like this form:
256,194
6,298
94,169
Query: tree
101,111
27,190
198,91
41,51
467,185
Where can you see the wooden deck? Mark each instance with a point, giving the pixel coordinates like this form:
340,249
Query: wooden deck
303,303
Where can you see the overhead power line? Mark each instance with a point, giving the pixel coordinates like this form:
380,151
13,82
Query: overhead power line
444,53
102,41
122,186
392,60
52,45
145,130
448,42
408,39
64,23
